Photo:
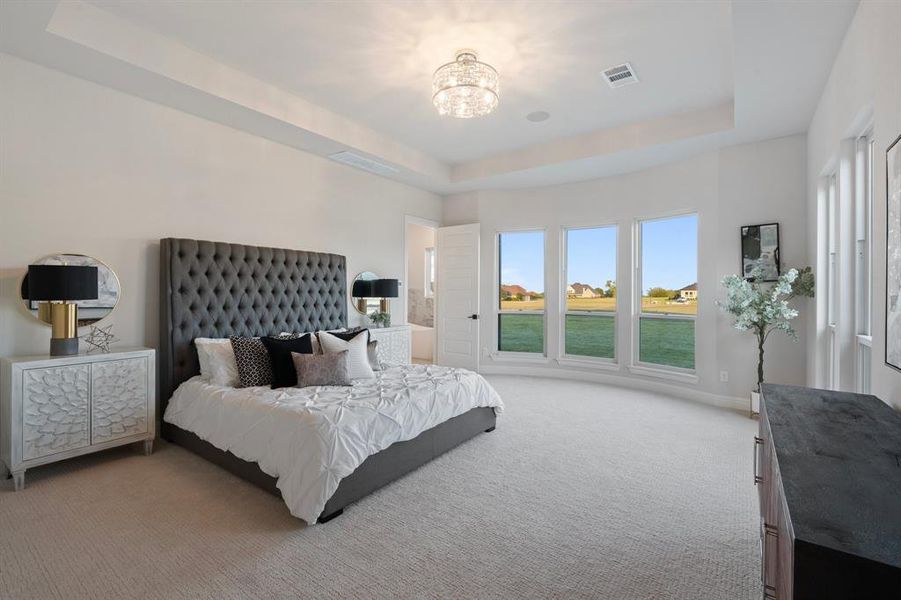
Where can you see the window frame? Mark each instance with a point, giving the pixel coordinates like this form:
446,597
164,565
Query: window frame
562,298
497,312
864,205
430,271
638,366
863,226
831,247
831,250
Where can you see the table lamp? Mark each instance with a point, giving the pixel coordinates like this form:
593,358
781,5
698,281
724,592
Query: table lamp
384,289
361,290
55,287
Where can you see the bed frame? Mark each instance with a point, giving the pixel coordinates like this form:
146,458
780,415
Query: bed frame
216,289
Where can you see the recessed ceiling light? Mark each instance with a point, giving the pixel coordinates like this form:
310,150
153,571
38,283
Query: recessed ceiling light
538,116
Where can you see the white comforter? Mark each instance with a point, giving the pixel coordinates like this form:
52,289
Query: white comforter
311,438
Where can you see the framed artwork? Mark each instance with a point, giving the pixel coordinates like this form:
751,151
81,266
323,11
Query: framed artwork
760,249
893,255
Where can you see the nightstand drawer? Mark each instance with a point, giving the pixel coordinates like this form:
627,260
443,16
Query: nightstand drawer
55,410
118,399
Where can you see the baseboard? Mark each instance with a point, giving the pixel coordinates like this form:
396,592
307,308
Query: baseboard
728,402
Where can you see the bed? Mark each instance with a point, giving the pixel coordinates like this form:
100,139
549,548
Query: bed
215,289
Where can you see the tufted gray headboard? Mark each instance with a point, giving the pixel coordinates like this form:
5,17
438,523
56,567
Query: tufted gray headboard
216,289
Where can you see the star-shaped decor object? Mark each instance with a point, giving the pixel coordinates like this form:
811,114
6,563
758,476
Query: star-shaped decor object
99,338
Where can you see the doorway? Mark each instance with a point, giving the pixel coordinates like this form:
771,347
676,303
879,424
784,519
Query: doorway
421,284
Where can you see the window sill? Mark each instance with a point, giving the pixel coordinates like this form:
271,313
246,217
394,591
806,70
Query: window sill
520,357
662,373
588,363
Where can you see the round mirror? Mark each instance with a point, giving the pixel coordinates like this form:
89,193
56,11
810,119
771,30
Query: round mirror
361,293
89,311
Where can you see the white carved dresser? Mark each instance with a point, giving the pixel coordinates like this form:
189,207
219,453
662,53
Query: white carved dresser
395,344
52,408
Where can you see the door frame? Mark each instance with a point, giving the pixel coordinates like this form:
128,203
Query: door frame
431,224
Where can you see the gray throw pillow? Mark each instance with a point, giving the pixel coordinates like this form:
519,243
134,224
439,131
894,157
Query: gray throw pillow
321,369
373,350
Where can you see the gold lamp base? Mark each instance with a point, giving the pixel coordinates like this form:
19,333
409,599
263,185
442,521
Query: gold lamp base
63,319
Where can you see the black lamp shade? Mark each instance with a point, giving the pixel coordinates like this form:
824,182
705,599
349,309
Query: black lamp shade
362,289
62,282
385,288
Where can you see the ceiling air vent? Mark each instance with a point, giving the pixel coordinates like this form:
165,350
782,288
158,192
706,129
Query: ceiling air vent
621,75
361,162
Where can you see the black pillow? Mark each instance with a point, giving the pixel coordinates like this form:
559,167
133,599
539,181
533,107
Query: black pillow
351,334
283,372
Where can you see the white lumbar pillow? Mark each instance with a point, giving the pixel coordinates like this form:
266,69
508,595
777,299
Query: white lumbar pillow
217,361
357,356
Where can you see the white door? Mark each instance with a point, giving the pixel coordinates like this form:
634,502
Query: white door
457,297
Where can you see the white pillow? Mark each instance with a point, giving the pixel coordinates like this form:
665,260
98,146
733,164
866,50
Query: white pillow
217,361
357,356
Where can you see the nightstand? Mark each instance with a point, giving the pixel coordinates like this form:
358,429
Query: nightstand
394,344
57,407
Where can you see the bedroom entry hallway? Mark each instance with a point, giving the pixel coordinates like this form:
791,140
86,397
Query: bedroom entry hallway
584,491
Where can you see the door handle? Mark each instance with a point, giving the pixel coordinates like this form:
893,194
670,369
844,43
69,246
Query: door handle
474,317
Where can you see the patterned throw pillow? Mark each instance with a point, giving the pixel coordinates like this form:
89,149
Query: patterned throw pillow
254,365
321,369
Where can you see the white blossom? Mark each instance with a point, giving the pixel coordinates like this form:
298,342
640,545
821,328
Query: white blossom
760,307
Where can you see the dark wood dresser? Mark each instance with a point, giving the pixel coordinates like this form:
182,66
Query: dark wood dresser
828,470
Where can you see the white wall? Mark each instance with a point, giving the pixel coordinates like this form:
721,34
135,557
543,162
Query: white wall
864,86
90,170
747,184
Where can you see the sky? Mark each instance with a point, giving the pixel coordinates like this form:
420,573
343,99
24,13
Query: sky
669,255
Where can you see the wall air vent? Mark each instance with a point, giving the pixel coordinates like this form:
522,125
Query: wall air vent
361,162
621,75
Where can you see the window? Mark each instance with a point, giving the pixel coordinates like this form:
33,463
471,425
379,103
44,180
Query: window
667,298
863,256
429,272
832,252
589,321
520,320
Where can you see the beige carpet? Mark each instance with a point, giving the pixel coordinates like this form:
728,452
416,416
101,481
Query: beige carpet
584,491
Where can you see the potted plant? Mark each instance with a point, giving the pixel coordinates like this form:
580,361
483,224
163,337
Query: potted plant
380,319
763,308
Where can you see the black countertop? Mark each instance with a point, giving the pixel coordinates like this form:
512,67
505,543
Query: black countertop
839,456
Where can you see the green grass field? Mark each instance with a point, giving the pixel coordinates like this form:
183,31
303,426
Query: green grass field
658,305
667,342
590,336
663,341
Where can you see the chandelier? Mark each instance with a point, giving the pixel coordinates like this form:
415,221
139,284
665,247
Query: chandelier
465,88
